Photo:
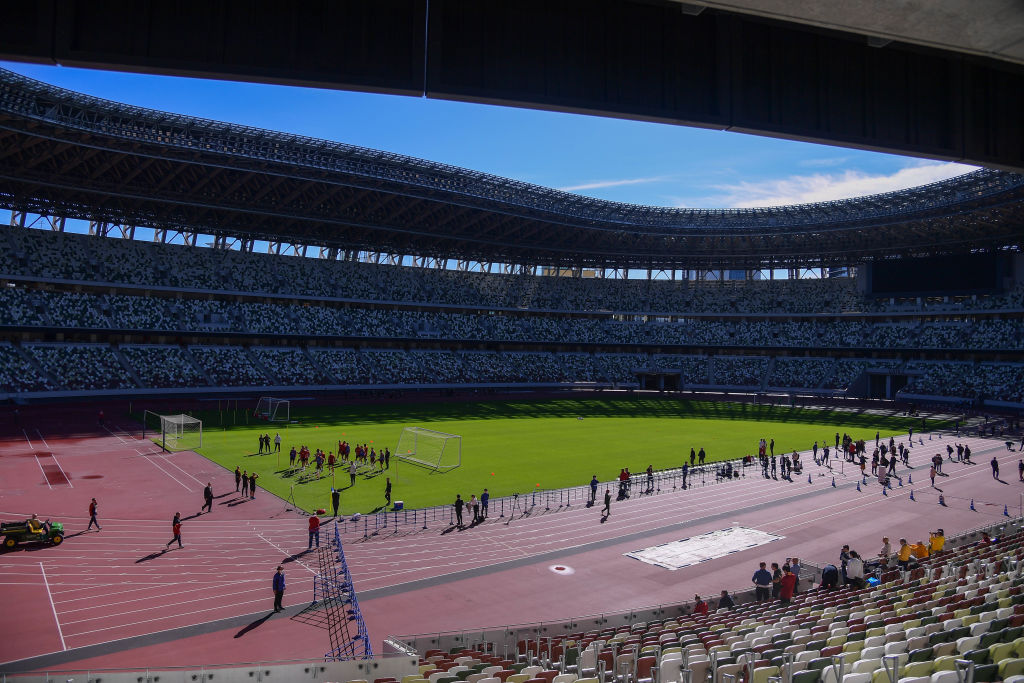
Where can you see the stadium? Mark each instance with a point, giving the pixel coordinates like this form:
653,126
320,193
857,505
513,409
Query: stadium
175,288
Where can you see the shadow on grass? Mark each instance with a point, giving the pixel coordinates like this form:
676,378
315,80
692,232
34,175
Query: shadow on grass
348,416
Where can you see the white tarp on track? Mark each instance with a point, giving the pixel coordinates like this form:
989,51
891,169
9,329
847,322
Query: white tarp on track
696,549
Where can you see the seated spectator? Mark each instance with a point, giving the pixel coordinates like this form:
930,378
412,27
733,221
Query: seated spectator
726,601
937,541
700,608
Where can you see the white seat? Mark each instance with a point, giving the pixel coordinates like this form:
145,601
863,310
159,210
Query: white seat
733,669
529,671
489,680
915,632
895,648
945,677
876,652
952,624
915,679
808,655
564,678
491,670
967,644
874,641
670,669
867,666
857,678
980,628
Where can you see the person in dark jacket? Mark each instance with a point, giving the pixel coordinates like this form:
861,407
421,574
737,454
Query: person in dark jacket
207,498
726,601
278,586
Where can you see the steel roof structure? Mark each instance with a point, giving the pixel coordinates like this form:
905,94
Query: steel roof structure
67,154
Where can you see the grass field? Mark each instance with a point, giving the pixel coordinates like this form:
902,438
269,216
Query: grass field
515,446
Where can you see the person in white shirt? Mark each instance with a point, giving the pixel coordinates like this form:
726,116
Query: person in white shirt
855,570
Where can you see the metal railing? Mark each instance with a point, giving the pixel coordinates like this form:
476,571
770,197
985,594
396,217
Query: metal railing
542,501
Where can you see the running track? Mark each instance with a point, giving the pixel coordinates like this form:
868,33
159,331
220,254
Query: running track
117,584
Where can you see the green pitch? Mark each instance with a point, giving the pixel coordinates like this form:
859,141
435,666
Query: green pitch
523,446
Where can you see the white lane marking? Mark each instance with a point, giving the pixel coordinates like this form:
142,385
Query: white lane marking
53,608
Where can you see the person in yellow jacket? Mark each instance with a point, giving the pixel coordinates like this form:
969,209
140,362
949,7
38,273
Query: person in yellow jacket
903,554
937,541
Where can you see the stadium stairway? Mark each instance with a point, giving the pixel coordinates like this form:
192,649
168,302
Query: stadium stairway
32,361
258,364
187,354
318,365
127,365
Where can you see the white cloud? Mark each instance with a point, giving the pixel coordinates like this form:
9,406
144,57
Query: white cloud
611,183
821,187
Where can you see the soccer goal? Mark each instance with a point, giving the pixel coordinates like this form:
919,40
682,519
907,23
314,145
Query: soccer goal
430,449
173,432
274,409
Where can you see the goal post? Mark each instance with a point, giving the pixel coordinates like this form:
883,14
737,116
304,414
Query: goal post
173,432
430,449
274,409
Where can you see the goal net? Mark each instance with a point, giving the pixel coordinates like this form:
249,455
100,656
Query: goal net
273,409
174,432
430,449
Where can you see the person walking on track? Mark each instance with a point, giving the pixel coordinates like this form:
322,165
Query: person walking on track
176,530
335,499
207,498
995,467
278,586
92,516
387,492
607,511
314,531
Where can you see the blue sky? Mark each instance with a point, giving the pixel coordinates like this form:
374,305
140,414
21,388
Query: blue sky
627,161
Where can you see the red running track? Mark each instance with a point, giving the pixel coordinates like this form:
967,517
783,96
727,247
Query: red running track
117,584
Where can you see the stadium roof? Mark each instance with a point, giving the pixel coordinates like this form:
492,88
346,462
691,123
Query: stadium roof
69,154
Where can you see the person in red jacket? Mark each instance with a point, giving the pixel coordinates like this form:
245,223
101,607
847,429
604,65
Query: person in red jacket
176,530
787,584
700,608
92,516
314,531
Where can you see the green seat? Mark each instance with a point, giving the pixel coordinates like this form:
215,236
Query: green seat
859,635
979,656
1013,633
818,663
958,633
930,619
807,676
991,638
939,637
986,673
815,644
999,624
923,654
